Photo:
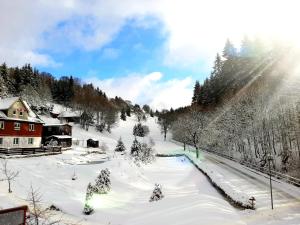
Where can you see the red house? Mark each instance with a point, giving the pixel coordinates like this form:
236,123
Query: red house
19,125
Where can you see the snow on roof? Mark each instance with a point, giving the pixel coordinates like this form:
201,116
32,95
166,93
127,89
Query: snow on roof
69,114
30,112
61,136
2,115
56,124
29,120
5,103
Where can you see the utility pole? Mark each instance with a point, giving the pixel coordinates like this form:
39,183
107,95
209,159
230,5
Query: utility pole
270,158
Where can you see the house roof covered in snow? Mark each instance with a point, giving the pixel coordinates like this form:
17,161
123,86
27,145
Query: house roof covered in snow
66,114
56,124
2,115
61,136
6,103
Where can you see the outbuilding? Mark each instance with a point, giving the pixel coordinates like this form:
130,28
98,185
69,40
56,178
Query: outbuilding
92,143
65,141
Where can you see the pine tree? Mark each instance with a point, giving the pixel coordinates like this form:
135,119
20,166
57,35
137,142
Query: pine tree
120,146
197,90
151,113
128,111
229,51
123,115
102,183
140,130
135,148
88,209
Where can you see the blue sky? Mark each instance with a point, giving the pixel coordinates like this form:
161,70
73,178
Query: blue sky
134,49
146,51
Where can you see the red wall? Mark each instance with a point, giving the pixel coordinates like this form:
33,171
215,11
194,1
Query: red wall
24,129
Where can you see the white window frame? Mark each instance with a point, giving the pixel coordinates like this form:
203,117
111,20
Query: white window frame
30,141
16,141
31,127
1,141
14,112
21,114
2,125
17,127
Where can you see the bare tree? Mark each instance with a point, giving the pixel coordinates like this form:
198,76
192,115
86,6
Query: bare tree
38,215
9,175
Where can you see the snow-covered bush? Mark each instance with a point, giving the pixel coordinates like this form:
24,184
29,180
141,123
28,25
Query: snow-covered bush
157,193
142,152
140,130
135,148
89,193
120,146
102,183
100,127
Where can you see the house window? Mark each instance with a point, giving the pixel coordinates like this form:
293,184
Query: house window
1,141
16,141
21,113
30,141
17,126
2,125
14,112
31,127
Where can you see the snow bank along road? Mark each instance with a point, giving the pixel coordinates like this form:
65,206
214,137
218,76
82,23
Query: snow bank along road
242,179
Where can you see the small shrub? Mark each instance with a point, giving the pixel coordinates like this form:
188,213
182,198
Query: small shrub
120,146
157,193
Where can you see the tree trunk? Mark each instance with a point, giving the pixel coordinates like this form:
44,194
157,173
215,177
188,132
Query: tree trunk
9,187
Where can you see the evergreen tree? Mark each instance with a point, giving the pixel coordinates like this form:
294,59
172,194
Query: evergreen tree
197,90
229,51
146,108
3,71
135,148
88,209
128,111
102,183
140,130
123,114
151,113
120,146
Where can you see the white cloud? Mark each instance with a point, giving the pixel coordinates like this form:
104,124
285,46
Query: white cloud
195,29
148,89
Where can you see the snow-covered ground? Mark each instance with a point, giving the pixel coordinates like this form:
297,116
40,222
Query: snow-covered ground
189,196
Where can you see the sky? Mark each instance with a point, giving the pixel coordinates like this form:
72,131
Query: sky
147,51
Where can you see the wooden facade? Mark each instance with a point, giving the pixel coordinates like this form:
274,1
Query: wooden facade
17,129
55,129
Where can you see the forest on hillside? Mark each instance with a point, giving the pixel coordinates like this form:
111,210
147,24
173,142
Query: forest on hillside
40,89
248,109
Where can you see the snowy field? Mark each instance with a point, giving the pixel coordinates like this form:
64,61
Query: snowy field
189,197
